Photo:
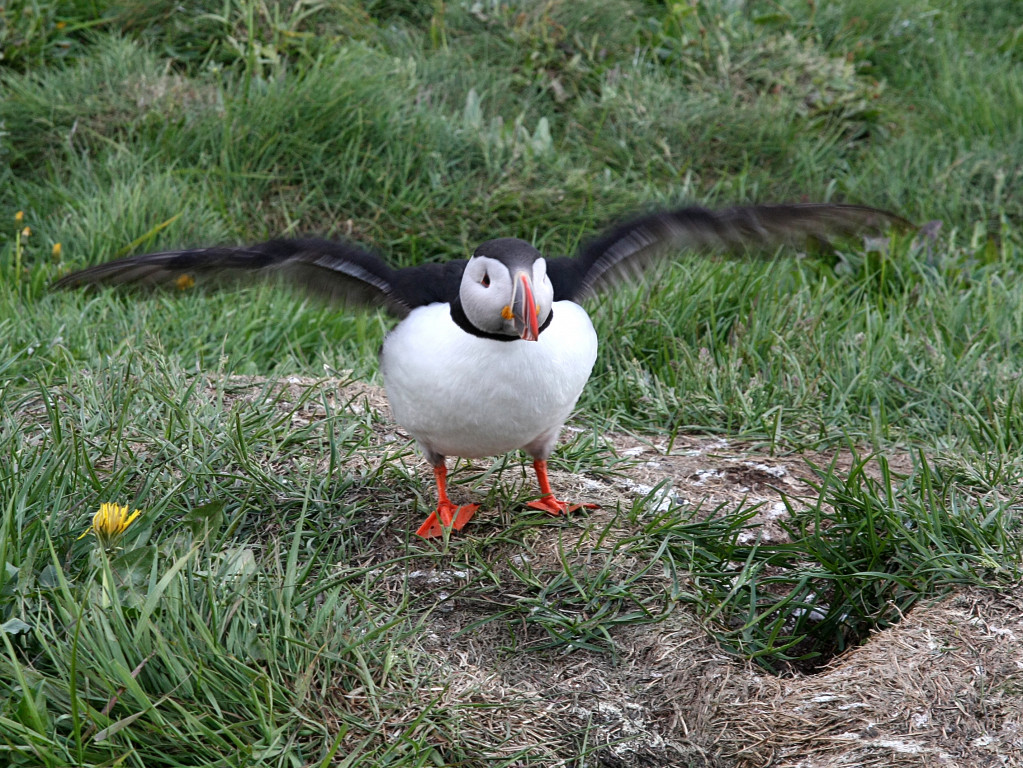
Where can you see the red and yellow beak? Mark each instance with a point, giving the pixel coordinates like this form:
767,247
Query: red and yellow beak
523,309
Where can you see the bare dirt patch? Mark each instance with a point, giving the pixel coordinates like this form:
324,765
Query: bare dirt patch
942,688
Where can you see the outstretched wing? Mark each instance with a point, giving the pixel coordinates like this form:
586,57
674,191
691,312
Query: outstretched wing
335,270
626,249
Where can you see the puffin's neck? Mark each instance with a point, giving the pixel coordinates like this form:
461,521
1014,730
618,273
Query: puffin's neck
462,321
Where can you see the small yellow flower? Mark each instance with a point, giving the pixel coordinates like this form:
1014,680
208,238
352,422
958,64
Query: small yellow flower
55,253
185,282
110,522
61,24
19,216
26,232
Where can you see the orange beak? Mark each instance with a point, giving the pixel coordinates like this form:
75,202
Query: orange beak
523,308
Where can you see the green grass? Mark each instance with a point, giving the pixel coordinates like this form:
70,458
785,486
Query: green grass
252,616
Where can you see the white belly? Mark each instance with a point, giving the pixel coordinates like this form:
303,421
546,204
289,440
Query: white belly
461,395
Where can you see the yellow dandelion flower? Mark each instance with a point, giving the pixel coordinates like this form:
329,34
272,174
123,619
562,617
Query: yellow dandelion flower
55,253
61,24
19,216
110,522
26,232
185,282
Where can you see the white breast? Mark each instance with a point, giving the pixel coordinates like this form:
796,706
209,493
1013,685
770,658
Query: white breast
461,395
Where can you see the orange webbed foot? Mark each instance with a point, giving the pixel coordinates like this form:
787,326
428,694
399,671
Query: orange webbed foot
548,502
447,515
553,506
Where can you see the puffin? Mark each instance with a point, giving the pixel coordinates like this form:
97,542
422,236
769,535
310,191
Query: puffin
492,352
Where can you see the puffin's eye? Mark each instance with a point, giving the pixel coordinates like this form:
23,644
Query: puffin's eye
485,282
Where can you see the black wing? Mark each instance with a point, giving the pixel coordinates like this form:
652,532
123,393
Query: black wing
335,270
625,250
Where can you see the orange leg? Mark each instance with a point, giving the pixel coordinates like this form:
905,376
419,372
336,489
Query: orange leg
447,514
547,501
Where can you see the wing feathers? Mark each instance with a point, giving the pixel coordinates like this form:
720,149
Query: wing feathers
344,272
626,249
335,270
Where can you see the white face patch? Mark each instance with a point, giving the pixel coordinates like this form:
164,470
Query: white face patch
486,289
543,290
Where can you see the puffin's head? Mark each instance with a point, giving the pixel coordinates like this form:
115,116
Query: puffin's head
505,289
